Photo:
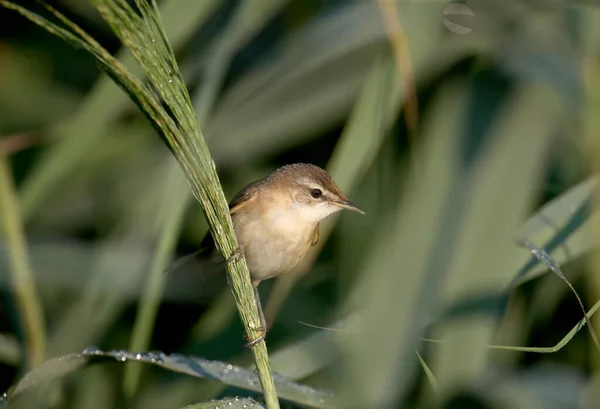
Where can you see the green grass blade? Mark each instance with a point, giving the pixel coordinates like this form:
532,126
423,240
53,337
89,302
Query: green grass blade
540,350
230,403
564,224
196,367
23,284
430,377
248,18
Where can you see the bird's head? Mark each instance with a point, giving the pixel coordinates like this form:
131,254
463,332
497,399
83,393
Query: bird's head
312,191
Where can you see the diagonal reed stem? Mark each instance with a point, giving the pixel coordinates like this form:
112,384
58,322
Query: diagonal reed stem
142,32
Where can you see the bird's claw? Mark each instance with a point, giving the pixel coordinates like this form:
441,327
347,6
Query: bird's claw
239,252
255,341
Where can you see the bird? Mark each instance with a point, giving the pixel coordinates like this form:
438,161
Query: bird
276,222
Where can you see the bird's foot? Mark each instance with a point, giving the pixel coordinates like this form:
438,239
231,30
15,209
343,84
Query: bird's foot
255,341
239,252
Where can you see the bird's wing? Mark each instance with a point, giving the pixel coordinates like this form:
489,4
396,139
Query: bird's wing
207,249
241,199
244,196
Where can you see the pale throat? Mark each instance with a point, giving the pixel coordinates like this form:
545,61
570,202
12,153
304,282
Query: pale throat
292,216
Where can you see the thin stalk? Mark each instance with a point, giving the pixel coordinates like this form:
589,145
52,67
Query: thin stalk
29,307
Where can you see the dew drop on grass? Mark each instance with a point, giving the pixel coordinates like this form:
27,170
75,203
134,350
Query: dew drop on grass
157,357
121,355
227,369
92,350
177,357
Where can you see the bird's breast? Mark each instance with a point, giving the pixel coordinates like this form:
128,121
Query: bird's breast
274,242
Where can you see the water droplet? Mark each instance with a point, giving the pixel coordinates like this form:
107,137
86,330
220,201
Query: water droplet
121,355
157,357
92,350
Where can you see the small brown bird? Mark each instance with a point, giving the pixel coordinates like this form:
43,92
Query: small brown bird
276,221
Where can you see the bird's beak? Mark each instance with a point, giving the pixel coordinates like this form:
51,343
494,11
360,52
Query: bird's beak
348,205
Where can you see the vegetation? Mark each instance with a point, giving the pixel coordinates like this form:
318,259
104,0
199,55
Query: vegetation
467,132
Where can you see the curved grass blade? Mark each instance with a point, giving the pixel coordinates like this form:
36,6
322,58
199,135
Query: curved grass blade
248,18
563,223
321,343
101,108
540,350
543,257
197,367
143,33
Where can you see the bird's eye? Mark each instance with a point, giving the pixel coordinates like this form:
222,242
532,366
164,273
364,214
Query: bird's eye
316,193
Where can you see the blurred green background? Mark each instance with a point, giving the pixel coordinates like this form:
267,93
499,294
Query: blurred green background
460,128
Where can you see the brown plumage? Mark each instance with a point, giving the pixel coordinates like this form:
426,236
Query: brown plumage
276,219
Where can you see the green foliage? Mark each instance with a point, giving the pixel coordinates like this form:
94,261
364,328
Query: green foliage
426,297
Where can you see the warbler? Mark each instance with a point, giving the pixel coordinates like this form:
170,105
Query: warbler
276,222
